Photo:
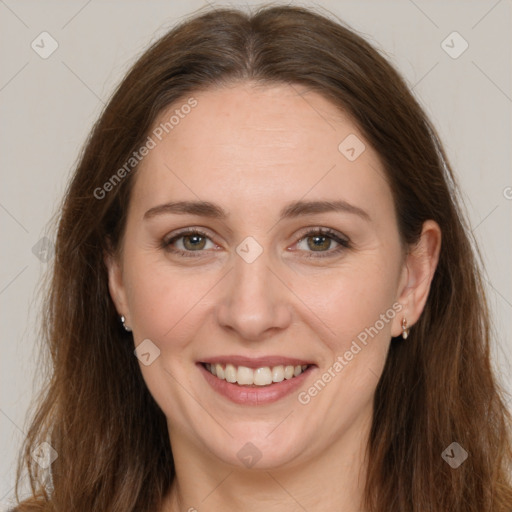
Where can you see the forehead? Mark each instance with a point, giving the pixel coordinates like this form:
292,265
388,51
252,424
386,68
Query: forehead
248,145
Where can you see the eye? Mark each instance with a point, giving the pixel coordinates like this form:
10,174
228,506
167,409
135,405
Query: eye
320,240
187,242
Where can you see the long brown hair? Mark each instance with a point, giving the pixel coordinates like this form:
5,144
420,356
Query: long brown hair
438,387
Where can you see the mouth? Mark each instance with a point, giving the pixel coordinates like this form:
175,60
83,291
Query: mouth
257,377
255,381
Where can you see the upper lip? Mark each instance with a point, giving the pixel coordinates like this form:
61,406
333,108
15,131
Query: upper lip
257,362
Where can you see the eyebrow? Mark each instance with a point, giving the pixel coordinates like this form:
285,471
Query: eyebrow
290,211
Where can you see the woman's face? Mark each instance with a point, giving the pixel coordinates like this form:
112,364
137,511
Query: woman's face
254,169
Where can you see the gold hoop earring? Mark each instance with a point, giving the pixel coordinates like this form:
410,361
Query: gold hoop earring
405,329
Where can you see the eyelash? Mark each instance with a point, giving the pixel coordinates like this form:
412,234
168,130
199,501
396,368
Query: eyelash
343,243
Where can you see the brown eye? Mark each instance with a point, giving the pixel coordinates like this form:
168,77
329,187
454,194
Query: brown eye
188,242
193,242
320,241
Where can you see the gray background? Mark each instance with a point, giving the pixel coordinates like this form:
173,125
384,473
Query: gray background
48,106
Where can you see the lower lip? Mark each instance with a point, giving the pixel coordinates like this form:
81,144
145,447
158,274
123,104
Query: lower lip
247,395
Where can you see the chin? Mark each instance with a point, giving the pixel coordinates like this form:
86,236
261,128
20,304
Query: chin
260,445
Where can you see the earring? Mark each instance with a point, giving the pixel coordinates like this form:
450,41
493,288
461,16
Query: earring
126,328
405,329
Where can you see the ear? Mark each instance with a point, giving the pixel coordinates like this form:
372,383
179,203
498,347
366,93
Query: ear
116,284
418,272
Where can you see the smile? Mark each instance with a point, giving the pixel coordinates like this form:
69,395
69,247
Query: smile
249,381
264,376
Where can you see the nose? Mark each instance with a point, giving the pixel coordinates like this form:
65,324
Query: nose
255,303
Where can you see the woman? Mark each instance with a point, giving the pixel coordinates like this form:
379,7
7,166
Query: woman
265,296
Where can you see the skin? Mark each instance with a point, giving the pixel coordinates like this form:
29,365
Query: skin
252,149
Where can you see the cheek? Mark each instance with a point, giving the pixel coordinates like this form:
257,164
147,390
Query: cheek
357,306
166,307
165,302
353,302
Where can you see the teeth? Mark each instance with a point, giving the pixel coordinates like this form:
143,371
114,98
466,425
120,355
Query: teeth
245,375
263,376
288,372
260,377
277,374
230,373
219,371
